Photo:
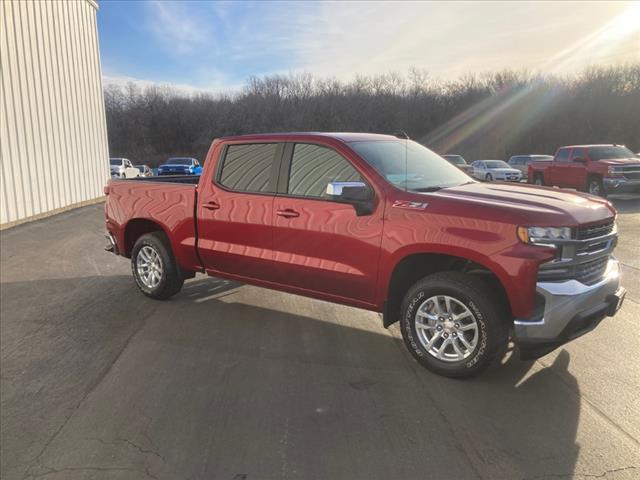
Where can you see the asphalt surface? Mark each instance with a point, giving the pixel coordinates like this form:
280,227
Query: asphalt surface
236,382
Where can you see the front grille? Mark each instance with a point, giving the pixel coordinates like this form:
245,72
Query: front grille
591,272
584,259
592,248
631,172
593,231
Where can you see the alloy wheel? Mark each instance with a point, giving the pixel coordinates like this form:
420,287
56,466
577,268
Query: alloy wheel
446,328
149,266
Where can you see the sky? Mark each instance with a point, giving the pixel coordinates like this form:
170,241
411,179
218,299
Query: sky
217,46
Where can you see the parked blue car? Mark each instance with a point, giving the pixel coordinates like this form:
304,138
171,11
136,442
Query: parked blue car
180,166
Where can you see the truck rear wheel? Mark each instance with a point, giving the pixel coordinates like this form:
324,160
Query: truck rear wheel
538,179
154,267
453,324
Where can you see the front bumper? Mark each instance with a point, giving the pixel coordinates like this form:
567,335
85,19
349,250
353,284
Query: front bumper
621,185
566,310
174,172
510,178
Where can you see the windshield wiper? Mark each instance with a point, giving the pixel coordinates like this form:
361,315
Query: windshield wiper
427,189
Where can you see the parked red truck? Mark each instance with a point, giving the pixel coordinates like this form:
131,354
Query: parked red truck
597,169
380,223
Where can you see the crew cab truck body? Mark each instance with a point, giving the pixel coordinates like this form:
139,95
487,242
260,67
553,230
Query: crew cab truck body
383,224
597,169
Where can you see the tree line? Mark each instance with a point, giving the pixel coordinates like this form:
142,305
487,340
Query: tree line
478,116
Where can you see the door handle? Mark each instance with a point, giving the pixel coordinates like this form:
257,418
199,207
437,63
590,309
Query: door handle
287,213
211,205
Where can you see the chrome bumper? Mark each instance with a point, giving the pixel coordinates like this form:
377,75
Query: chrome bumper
621,185
569,309
112,246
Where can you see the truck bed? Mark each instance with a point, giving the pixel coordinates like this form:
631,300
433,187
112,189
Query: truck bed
168,201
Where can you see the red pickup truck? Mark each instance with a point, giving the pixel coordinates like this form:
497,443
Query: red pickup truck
384,224
597,169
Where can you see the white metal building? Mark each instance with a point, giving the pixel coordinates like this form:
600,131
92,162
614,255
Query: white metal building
53,137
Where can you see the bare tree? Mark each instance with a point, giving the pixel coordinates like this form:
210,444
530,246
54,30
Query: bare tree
480,116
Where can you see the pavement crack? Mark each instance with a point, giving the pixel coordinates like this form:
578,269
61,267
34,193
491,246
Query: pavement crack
579,475
142,450
91,388
595,408
51,471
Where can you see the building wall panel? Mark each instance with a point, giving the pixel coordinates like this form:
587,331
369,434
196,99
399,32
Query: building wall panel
53,135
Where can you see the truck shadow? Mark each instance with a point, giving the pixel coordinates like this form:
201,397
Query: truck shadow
626,203
220,385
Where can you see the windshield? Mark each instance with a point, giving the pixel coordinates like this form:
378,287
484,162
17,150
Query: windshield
179,161
455,159
116,162
496,164
607,153
409,165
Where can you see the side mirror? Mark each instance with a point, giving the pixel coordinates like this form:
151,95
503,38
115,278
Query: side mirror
358,194
579,159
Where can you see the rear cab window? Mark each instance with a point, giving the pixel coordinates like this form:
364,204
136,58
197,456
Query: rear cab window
249,168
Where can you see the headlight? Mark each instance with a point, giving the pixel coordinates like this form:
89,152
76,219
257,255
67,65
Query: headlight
614,171
543,235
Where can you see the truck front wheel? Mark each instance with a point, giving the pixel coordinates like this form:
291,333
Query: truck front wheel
453,324
154,267
595,187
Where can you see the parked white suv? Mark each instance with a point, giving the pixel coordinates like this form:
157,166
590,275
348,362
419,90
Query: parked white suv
491,170
119,166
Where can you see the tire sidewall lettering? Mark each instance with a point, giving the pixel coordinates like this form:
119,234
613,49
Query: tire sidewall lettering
409,328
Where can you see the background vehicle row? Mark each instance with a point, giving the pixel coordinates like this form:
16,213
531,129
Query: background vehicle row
596,169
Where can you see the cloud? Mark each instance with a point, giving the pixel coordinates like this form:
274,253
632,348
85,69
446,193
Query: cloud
176,27
184,88
203,46
450,39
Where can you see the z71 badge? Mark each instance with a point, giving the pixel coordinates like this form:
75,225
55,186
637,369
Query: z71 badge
408,204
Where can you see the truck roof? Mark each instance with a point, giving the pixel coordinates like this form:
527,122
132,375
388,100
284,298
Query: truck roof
593,145
345,137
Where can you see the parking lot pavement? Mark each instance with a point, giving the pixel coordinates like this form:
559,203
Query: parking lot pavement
236,382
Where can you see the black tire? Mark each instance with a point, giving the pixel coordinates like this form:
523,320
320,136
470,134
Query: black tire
480,299
171,279
489,177
595,187
538,179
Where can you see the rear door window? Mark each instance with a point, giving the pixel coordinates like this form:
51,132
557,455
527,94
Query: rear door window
315,166
249,168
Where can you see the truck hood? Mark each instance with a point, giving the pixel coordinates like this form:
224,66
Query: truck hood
621,161
528,204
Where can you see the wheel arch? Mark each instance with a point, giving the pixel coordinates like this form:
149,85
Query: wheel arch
135,228
413,266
